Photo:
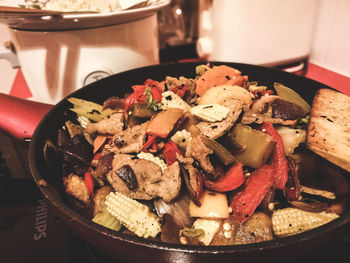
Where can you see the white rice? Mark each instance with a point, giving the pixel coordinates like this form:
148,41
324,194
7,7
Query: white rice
100,6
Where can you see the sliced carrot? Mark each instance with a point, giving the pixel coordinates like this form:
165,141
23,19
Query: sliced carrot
218,75
99,141
290,122
163,123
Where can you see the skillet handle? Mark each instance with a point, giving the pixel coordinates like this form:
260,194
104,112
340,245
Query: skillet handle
19,117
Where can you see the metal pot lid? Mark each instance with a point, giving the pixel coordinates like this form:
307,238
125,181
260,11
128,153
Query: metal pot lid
45,20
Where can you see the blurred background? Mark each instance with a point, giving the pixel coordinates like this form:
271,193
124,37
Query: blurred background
288,34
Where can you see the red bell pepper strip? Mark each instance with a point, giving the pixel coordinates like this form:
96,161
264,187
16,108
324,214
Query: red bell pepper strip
150,141
292,189
89,183
156,90
259,93
257,185
169,152
180,90
230,180
278,158
139,91
140,96
200,186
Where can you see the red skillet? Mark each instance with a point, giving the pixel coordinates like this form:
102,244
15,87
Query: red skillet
19,117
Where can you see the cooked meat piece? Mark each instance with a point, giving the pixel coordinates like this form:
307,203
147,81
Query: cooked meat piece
100,197
169,186
286,110
152,182
200,152
214,130
130,140
172,83
184,160
104,165
76,188
250,117
111,126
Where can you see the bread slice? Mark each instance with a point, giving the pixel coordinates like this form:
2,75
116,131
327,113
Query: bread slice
328,132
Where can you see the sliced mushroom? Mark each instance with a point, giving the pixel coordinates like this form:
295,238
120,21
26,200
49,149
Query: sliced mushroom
128,176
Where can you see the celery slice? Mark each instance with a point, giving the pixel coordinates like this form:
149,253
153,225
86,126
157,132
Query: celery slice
89,109
105,219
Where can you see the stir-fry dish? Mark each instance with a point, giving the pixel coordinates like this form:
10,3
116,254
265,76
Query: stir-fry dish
217,159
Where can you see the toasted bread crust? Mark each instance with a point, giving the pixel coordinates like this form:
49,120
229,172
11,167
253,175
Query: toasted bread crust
328,132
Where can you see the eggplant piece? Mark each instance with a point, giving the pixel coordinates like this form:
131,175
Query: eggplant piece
310,205
257,145
267,205
170,231
257,228
292,188
50,153
193,182
220,151
178,209
100,198
77,150
114,103
140,110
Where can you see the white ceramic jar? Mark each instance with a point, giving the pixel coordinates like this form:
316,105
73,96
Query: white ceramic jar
55,63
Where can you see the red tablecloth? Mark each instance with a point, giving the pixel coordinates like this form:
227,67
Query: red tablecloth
328,77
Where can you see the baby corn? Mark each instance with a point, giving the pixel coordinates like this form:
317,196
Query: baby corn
133,215
151,157
210,112
182,138
209,226
290,221
171,100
